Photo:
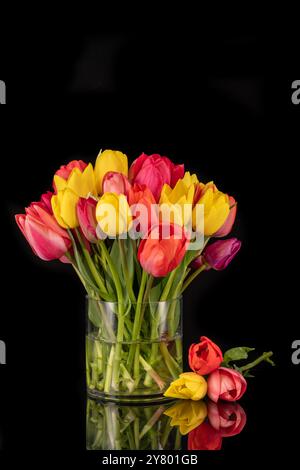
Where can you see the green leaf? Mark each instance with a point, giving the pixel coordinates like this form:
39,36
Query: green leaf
236,354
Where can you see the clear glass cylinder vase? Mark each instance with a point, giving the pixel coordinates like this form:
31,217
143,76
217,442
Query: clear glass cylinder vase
133,352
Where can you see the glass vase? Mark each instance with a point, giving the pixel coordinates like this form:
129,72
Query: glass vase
134,351
115,426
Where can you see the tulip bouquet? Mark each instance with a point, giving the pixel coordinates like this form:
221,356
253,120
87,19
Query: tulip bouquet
136,238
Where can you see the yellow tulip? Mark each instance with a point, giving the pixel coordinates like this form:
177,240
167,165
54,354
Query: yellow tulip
64,203
216,209
187,415
113,214
109,160
189,386
176,203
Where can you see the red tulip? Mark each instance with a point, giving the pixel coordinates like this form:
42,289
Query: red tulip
228,224
86,214
47,239
65,170
226,384
204,437
114,182
163,250
219,254
227,418
154,171
143,207
205,356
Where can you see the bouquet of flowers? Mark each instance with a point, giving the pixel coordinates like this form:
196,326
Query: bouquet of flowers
136,238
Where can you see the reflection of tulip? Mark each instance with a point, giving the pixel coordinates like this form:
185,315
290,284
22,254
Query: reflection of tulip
189,386
204,437
227,226
86,213
216,209
226,384
107,161
154,171
143,207
163,250
176,203
113,214
46,238
187,415
78,184
114,182
227,418
205,356
219,254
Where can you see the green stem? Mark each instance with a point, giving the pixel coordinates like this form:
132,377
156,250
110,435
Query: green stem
168,286
109,370
264,357
172,365
125,271
121,306
90,263
192,277
136,323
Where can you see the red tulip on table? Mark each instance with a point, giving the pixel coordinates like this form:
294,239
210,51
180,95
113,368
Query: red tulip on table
47,239
154,171
205,356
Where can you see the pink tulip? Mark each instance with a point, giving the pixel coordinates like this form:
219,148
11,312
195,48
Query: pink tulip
47,239
115,182
228,224
226,384
227,418
154,171
219,254
86,213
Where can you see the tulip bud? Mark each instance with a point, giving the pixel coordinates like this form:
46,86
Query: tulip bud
189,386
86,213
219,254
228,224
163,250
114,182
109,161
154,171
226,384
205,356
47,239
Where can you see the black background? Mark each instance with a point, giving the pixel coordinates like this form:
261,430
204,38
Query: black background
216,102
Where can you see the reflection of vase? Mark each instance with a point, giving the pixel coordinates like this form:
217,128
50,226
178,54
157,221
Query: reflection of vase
134,351
111,426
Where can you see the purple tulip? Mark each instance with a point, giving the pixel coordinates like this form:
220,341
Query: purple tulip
219,254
